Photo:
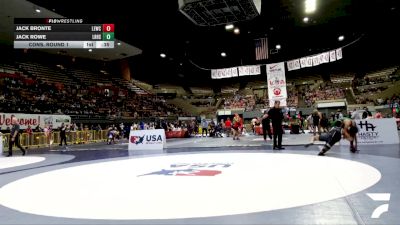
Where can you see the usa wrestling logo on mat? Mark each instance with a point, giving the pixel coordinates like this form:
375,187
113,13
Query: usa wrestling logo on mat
191,169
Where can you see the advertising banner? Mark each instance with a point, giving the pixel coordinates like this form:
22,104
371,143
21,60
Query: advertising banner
376,132
146,139
277,82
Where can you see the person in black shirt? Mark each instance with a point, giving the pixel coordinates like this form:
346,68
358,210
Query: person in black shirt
14,137
266,127
366,114
316,116
276,116
63,135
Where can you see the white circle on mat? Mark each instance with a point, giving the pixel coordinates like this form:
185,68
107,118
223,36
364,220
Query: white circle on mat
170,187
9,162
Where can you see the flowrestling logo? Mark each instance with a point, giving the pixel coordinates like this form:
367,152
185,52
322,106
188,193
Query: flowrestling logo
191,169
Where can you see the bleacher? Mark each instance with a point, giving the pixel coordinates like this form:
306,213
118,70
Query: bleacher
342,78
130,85
88,78
372,84
47,74
37,88
383,73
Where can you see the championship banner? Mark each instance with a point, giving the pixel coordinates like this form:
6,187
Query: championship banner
315,60
290,65
277,82
33,120
293,64
214,74
147,139
324,57
321,58
339,54
332,56
296,64
376,132
249,70
224,73
303,62
309,61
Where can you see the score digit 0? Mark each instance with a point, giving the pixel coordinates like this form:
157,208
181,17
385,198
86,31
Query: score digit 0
108,36
108,27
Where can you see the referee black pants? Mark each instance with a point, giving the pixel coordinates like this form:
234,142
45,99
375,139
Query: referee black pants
16,142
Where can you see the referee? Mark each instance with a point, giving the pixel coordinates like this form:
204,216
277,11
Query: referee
276,116
14,137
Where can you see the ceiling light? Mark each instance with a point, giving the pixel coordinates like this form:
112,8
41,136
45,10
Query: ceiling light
37,10
90,50
229,27
223,54
341,38
306,19
162,55
278,46
311,5
236,31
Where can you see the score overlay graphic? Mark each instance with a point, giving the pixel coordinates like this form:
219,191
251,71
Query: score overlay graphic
61,33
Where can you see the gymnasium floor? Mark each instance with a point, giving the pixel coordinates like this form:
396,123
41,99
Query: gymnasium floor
202,181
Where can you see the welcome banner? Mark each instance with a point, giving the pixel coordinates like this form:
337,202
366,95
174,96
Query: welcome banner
33,120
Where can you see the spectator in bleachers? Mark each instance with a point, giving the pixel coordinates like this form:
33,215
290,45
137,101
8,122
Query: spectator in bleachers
36,96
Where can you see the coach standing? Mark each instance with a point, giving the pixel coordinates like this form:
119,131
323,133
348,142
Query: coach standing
276,116
266,127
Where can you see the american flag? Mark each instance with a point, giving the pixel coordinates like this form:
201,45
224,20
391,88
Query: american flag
261,48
